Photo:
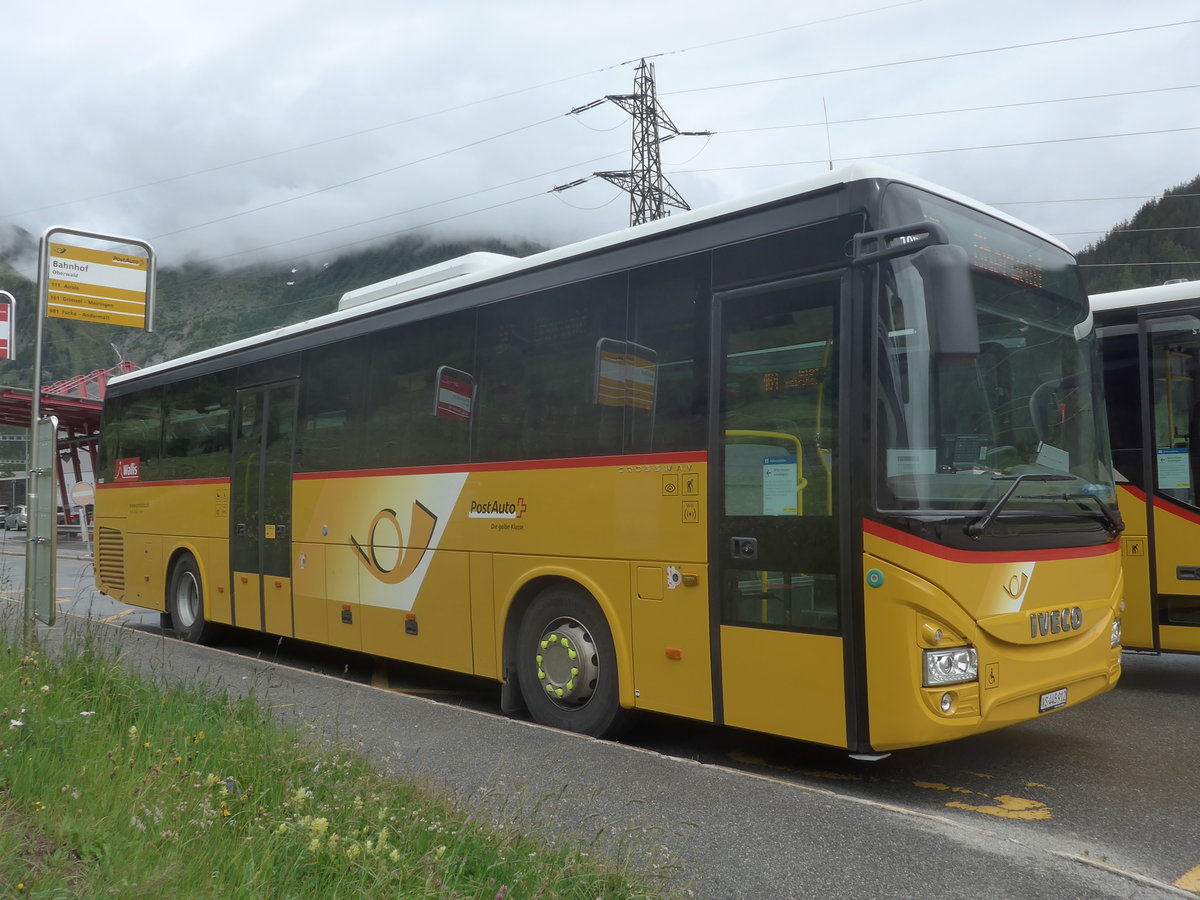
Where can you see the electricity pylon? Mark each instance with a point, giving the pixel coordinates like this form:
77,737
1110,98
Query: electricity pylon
649,191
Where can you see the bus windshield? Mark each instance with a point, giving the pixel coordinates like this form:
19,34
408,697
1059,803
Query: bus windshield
1012,439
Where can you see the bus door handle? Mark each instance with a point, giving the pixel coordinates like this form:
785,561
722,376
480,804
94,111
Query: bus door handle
1187,573
743,548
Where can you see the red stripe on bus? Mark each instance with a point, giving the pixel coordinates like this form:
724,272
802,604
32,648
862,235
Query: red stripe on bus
895,536
1165,506
1162,505
647,461
1136,491
105,485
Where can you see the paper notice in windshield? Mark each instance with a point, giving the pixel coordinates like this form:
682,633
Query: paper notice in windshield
910,461
1053,457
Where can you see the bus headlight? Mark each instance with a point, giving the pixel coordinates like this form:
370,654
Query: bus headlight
1115,638
952,666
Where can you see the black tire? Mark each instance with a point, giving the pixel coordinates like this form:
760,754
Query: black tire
579,693
185,603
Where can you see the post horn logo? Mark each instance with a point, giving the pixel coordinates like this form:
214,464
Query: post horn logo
1016,586
420,532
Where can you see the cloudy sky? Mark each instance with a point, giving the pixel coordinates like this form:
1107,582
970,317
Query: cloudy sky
263,129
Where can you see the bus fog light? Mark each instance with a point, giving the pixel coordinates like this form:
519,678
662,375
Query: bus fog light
1115,638
952,666
947,702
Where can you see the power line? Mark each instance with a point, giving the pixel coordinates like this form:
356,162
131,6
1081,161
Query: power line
924,59
359,224
965,109
351,181
1130,230
1090,199
809,162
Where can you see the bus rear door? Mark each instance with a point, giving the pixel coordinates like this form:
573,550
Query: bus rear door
260,514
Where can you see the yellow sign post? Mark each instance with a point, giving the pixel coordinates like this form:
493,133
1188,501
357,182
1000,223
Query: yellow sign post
106,284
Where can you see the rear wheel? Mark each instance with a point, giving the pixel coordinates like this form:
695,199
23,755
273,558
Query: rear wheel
567,665
185,602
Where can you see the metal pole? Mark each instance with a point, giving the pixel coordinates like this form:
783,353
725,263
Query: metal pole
35,404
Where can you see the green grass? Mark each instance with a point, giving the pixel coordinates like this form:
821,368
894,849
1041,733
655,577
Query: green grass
114,785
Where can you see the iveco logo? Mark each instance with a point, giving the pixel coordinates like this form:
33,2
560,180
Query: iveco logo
1056,621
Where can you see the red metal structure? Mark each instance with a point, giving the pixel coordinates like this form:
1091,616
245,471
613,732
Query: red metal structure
76,402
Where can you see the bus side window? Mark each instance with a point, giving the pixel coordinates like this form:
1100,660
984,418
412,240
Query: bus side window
670,307
536,373
330,433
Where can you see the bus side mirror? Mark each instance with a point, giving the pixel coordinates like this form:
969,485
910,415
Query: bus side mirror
949,301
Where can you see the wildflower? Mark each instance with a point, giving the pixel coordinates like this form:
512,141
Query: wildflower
133,730
14,723
301,795
282,829
314,844
352,851
394,856
320,826
502,893
440,852
45,688
88,712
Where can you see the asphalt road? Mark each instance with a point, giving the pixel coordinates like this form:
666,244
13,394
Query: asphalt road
1095,801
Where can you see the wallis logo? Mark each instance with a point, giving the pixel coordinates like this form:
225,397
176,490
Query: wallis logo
420,532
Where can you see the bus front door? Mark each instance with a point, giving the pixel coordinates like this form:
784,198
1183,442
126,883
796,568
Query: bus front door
1174,481
775,571
260,514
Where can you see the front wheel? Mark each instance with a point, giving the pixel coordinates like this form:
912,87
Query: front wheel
185,603
567,665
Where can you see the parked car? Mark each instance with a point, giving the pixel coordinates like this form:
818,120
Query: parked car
67,517
16,519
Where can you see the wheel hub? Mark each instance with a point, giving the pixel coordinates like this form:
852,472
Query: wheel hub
567,664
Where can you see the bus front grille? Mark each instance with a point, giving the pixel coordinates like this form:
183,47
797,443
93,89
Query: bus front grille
110,559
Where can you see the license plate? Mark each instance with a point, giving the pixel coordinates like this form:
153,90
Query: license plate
1053,700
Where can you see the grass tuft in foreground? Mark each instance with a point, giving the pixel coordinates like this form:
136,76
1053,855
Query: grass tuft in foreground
112,785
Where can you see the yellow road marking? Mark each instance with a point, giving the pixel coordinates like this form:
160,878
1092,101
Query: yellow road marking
1004,806
1189,881
1007,807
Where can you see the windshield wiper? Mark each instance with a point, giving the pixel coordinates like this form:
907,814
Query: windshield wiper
1112,523
976,528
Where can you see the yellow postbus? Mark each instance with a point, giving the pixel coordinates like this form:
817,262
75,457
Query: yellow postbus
1150,343
830,463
